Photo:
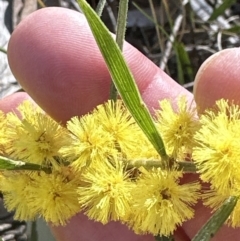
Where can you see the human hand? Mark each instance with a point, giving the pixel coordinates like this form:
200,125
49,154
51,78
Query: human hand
55,58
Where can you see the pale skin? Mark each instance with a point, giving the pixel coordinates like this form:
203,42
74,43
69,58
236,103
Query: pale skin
54,57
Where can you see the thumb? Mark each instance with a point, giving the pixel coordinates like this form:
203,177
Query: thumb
218,78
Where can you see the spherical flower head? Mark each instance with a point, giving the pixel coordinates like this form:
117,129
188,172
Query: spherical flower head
177,127
3,137
218,150
118,122
56,197
35,137
17,188
37,194
161,203
90,143
105,193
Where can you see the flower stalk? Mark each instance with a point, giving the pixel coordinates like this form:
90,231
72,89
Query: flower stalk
185,166
100,7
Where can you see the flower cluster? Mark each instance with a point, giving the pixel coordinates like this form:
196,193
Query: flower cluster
89,165
217,153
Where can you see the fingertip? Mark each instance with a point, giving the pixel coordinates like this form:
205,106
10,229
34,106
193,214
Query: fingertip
56,60
58,63
218,78
11,102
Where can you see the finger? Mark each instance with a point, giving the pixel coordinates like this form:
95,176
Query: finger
10,103
80,228
59,64
218,78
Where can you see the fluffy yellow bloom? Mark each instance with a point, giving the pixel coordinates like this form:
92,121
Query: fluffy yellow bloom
108,132
177,127
51,196
36,137
56,196
105,193
218,151
234,219
161,203
3,140
90,142
118,122
17,188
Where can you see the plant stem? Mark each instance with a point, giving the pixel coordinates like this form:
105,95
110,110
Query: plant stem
121,22
41,3
185,166
3,50
120,36
9,164
100,7
160,40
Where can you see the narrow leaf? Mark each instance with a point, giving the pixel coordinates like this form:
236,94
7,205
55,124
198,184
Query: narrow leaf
9,164
216,221
123,78
3,50
179,66
184,63
232,30
221,9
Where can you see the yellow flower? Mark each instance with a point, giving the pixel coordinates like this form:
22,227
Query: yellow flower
33,194
105,194
3,139
17,188
161,203
56,196
234,219
177,127
90,142
36,137
218,150
118,122
107,133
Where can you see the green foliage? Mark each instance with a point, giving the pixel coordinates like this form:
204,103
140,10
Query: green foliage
34,231
221,9
216,221
9,164
120,36
3,50
232,30
183,63
123,78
